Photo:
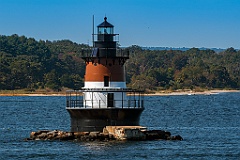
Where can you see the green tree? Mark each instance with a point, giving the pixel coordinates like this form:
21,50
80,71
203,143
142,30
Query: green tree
52,80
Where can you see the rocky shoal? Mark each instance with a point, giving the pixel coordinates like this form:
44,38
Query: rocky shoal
103,136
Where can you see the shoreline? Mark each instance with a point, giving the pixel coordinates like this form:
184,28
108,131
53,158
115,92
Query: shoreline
163,93
32,94
207,92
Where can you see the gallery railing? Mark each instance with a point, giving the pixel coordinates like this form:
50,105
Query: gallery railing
134,99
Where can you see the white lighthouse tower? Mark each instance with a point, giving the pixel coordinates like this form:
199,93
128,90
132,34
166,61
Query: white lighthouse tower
104,100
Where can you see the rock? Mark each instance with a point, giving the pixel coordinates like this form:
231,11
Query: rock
157,134
32,135
79,134
66,136
177,137
43,136
126,132
94,134
51,135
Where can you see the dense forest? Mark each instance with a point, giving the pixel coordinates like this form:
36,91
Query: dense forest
29,64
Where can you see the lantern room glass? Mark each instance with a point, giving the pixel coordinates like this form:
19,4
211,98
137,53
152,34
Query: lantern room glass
105,30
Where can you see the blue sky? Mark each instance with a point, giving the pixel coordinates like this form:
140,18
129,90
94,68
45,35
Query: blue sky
164,23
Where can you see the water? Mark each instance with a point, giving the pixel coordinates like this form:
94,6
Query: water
209,124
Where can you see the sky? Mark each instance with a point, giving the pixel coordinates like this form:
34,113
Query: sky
148,23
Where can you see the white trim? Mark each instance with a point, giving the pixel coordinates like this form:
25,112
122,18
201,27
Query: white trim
101,85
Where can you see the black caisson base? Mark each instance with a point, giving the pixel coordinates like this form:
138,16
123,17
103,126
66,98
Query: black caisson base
88,120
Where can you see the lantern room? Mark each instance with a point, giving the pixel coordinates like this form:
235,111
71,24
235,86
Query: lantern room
105,32
105,27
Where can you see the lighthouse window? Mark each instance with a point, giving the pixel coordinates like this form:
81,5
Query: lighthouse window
105,30
106,81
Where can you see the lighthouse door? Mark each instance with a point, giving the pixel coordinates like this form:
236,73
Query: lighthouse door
106,81
110,100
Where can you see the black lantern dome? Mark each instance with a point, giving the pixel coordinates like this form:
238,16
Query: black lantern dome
105,27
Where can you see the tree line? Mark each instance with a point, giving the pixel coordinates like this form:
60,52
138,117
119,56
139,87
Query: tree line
29,64
191,69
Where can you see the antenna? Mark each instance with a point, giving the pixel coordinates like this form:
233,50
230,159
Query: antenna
93,33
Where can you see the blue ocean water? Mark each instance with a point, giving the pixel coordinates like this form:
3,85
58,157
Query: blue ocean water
209,124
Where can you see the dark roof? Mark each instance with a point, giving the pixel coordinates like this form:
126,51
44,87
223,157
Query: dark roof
105,23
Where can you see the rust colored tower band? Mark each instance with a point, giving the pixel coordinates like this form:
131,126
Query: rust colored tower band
104,100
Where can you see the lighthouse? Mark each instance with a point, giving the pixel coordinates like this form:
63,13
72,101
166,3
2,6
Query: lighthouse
105,99
105,108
